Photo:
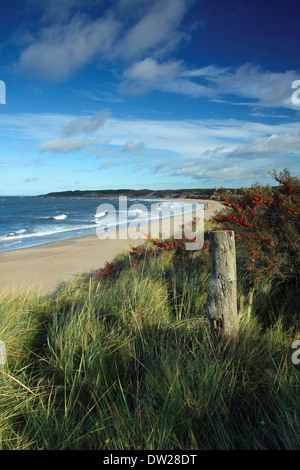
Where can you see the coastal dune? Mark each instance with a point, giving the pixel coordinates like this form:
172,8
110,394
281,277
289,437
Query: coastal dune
44,267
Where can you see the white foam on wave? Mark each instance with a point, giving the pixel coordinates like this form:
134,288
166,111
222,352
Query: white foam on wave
134,212
12,234
100,214
11,244
137,216
59,217
46,232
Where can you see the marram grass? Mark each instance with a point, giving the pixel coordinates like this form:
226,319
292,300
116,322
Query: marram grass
127,363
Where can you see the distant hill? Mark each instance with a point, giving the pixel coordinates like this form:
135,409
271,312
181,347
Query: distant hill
212,193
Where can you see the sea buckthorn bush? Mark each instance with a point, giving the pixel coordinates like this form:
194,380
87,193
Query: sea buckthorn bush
172,248
109,270
266,223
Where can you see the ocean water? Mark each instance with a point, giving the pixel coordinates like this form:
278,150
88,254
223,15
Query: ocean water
31,221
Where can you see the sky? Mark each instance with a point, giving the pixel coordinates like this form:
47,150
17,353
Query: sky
156,94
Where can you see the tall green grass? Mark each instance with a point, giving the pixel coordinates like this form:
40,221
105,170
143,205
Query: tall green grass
127,363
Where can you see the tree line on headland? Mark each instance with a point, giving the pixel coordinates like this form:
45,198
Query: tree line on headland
209,193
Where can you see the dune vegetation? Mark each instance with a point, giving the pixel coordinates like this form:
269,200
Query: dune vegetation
123,360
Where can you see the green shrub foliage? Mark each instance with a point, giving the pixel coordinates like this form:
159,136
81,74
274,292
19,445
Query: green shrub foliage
266,223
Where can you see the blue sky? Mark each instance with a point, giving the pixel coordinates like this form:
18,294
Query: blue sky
158,94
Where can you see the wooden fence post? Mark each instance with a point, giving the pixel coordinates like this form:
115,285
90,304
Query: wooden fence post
222,290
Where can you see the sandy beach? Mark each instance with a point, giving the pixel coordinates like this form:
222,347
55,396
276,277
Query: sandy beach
44,267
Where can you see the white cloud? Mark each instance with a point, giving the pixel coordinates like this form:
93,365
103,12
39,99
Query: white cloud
107,152
64,145
65,48
238,164
148,74
220,171
31,126
256,87
157,31
262,88
132,147
178,136
72,39
139,35
30,180
17,161
268,88
105,166
187,88
276,144
198,149
209,71
86,125
59,10
150,70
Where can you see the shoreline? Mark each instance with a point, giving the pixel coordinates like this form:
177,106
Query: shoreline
91,231
44,267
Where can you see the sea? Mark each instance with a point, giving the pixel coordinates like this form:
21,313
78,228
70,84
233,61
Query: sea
27,221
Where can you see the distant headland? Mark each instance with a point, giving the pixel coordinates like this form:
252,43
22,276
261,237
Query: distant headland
211,193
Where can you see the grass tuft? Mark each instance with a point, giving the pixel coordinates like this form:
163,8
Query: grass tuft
126,362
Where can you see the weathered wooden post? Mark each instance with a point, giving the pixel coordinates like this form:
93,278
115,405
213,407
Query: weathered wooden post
222,290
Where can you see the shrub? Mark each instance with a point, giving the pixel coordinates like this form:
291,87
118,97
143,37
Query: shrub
172,248
108,270
266,223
